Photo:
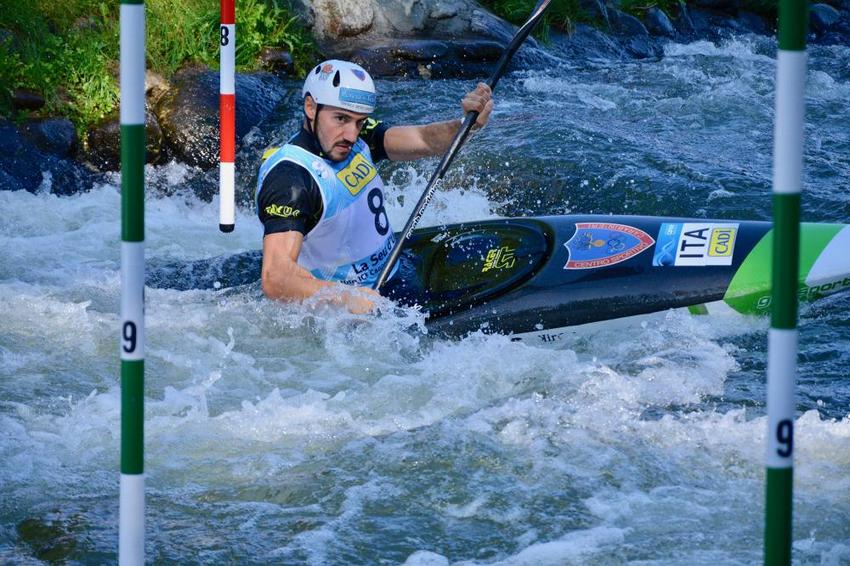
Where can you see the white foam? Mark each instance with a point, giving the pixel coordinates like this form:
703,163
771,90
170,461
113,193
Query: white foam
335,432
450,204
426,558
577,547
739,48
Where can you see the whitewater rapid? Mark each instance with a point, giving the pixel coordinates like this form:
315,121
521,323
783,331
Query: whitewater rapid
280,433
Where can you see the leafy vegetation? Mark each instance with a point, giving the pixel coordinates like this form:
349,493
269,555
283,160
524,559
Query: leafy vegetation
66,57
561,14
640,7
68,51
194,37
564,13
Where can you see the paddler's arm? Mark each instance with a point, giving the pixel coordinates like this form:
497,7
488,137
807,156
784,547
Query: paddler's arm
283,279
404,143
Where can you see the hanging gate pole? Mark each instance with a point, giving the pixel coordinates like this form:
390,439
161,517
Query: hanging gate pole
782,336
131,528
227,110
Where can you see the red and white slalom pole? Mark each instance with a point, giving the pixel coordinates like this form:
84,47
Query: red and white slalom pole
227,156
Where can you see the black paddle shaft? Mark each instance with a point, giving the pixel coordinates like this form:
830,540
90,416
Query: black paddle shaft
459,139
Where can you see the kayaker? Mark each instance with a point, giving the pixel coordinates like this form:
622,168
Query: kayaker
320,197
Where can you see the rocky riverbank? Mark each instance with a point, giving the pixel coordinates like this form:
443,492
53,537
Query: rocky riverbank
424,39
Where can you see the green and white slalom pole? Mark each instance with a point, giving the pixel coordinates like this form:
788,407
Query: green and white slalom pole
131,527
782,337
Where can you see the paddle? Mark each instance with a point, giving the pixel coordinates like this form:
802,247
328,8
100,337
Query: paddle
459,139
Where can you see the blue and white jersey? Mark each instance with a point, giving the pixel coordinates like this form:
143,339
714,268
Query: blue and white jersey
352,240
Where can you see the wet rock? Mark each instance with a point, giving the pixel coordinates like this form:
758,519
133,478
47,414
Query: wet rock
104,143
25,167
402,57
586,42
700,21
25,99
684,24
595,10
442,10
155,87
52,135
379,61
482,50
822,17
9,137
16,171
417,49
753,23
626,24
714,25
427,58
658,23
642,47
16,160
278,61
634,36
486,24
189,112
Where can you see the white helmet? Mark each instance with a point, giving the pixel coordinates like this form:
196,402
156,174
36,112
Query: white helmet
341,84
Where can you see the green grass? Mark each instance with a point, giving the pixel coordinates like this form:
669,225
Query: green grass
195,36
68,50
561,14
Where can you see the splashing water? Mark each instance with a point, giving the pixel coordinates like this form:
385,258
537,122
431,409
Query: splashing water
281,433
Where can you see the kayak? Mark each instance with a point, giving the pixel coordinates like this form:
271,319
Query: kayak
539,275
534,277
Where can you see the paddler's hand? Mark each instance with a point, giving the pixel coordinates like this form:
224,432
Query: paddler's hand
360,300
479,100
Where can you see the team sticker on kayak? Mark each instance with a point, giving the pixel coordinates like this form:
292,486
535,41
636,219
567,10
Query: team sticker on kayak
599,244
695,244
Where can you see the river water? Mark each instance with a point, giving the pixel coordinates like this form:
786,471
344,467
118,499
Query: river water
294,434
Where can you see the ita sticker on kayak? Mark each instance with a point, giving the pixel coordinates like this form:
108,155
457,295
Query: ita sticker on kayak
599,244
695,244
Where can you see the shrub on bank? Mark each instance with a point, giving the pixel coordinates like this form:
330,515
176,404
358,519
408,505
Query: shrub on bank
68,51
561,14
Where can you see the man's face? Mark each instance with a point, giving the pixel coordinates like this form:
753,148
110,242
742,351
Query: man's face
337,129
